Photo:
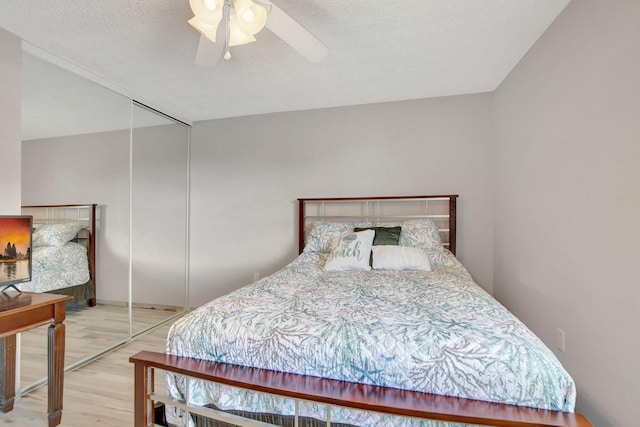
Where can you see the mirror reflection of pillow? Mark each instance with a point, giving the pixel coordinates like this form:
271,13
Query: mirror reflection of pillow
400,258
55,234
350,251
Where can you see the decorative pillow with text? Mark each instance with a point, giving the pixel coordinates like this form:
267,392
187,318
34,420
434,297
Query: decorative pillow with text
350,251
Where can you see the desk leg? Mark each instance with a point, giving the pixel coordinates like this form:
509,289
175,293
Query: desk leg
55,354
7,372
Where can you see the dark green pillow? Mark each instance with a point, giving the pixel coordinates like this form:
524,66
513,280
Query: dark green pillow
384,235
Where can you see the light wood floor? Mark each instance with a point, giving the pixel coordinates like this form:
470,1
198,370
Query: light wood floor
89,331
98,394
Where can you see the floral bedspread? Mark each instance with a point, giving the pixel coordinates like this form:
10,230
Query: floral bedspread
437,332
57,267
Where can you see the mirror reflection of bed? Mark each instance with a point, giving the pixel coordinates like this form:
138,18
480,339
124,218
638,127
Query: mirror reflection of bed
64,262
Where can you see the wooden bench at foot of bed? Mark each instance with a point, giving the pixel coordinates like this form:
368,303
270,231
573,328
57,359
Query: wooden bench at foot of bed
333,392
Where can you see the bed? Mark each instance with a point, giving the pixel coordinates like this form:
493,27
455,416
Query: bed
63,257
402,337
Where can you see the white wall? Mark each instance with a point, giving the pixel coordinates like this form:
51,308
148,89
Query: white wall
159,233
248,172
567,156
10,125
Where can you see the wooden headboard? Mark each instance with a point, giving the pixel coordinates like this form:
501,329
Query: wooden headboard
85,214
380,210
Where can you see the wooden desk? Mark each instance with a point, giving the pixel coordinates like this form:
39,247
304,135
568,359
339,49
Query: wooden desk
21,312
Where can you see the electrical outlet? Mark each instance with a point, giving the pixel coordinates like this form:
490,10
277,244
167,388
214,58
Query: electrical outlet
560,340
256,277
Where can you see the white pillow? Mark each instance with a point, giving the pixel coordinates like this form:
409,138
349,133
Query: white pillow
400,258
350,251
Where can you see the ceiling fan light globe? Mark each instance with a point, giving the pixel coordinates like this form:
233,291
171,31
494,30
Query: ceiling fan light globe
209,31
238,37
252,17
247,15
207,11
211,4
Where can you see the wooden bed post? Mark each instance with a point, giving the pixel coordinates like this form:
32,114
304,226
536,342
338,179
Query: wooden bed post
300,225
452,223
140,399
92,254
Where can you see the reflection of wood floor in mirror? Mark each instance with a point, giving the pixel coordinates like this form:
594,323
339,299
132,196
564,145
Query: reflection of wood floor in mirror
89,330
97,394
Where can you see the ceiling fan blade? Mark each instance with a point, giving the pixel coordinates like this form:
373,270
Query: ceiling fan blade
295,35
208,53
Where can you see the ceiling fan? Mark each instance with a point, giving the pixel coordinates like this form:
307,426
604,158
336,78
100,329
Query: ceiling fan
226,23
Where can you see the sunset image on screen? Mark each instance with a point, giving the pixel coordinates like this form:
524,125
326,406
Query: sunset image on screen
15,234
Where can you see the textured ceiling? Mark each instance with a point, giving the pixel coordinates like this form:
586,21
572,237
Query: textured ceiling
379,51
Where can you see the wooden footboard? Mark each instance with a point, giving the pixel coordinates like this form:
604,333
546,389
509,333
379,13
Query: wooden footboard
330,392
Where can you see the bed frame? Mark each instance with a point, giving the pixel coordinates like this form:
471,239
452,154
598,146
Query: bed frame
378,210
86,214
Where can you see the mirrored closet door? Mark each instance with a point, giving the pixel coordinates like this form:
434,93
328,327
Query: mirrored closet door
159,212
86,144
75,150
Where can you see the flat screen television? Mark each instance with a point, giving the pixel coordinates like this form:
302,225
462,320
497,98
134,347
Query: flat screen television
15,250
